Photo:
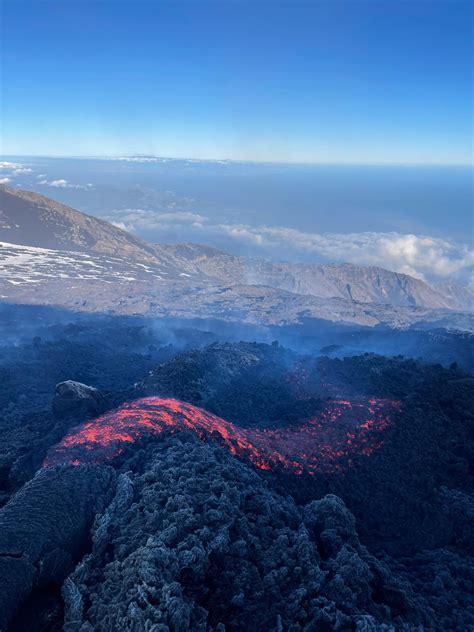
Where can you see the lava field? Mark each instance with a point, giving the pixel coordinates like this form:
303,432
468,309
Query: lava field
328,442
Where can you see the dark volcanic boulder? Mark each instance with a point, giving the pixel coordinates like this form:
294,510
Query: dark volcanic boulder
74,398
44,530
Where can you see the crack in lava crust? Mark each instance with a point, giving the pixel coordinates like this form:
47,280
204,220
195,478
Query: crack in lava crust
326,443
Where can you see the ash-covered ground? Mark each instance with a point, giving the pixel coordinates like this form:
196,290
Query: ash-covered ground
178,479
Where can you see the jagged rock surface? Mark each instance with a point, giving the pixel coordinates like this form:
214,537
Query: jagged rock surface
44,529
194,540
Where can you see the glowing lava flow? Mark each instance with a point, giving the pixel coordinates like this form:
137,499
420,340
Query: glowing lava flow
326,443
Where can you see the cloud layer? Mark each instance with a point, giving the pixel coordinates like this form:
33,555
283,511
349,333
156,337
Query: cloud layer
417,255
137,220
425,257
64,184
12,169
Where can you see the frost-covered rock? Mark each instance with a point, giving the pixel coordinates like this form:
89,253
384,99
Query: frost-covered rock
44,529
196,540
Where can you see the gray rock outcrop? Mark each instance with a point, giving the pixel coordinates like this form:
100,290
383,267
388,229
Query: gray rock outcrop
75,398
44,530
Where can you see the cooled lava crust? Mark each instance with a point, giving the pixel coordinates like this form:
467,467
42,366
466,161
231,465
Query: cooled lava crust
326,443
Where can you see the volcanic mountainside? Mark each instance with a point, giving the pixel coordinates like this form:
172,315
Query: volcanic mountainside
246,487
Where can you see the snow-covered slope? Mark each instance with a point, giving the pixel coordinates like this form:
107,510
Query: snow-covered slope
24,265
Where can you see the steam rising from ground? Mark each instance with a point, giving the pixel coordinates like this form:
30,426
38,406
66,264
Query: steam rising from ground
329,442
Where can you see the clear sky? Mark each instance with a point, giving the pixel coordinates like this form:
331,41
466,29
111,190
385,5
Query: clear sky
387,81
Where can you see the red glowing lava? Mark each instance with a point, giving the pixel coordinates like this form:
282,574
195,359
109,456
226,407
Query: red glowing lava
326,443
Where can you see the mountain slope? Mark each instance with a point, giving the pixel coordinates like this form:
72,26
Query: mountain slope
365,284
30,219
458,296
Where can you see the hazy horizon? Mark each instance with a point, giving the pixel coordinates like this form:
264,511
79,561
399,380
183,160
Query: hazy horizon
156,157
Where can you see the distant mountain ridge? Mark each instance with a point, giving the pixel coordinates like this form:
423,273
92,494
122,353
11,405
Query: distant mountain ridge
365,284
48,246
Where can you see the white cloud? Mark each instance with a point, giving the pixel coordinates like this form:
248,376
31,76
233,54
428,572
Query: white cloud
5,180
19,170
140,159
64,184
14,168
137,219
417,255
243,232
182,216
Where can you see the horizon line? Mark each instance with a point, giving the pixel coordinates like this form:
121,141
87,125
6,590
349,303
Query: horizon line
152,157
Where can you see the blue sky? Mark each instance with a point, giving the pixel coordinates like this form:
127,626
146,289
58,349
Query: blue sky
383,81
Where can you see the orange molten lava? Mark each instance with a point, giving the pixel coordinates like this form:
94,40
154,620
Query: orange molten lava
326,443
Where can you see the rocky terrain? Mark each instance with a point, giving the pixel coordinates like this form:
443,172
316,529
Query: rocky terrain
347,281
189,547
114,290
53,255
181,529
